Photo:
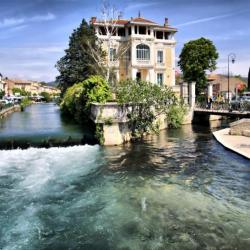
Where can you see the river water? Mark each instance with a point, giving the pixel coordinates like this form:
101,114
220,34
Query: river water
178,190
41,125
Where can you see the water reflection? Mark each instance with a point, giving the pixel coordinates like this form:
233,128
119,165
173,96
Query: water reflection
178,190
42,125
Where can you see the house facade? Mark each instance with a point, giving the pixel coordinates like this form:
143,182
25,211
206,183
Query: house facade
29,86
139,49
2,83
220,85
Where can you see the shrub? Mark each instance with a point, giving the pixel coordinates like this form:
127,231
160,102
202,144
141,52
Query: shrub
46,96
24,103
148,101
77,99
175,115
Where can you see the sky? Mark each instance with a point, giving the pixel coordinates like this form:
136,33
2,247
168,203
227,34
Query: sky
34,34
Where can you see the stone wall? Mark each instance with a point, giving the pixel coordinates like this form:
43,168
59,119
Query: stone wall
113,119
241,127
7,111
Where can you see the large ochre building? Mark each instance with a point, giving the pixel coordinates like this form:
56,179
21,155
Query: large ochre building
145,49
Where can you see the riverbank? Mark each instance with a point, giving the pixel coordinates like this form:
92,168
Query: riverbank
7,111
238,144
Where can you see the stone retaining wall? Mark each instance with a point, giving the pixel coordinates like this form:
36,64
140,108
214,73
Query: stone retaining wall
241,127
7,111
114,121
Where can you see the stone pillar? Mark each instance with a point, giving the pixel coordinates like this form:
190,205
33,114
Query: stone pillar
210,89
117,75
191,94
184,92
151,76
134,72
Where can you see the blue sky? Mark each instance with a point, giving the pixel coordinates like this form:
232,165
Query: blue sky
34,34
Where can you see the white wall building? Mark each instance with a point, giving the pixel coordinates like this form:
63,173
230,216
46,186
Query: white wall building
150,54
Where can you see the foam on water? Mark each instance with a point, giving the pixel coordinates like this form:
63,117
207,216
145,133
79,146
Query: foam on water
180,193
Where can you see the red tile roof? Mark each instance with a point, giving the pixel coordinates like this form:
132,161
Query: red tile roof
141,20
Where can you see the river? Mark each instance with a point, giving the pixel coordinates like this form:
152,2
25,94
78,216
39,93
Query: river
178,190
41,125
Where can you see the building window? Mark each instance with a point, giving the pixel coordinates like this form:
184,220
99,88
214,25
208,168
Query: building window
159,35
160,79
159,56
112,54
142,52
142,30
121,32
166,35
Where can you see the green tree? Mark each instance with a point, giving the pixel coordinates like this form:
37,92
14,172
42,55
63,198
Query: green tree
20,91
2,93
148,101
46,96
77,99
78,63
196,57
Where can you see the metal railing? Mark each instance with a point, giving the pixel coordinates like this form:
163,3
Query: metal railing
227,107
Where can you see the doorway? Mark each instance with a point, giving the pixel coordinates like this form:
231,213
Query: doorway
138,76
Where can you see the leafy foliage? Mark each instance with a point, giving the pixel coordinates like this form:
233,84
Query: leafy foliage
78,64
46,96
148,101
196,57
2,93
22,92
77,99
24,103
175,115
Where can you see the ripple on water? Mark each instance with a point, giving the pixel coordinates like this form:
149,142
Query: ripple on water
183,194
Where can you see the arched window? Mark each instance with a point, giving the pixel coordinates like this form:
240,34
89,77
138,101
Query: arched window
143,52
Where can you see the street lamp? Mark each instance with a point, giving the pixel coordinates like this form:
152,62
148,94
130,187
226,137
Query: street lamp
231,57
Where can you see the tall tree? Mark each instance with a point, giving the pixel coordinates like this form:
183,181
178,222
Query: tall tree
109,19
78,63
196,57
248,80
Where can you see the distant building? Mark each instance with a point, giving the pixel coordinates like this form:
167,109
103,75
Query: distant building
150,54
30,86
220,84
2,83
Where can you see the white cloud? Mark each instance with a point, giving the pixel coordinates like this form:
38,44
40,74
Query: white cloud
138,6
11,22
209,19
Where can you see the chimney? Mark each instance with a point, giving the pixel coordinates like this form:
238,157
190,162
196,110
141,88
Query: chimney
166,22
93,20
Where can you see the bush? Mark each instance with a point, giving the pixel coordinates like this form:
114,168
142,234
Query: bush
24,103
77,99
175,115
148,101
46,96
20,91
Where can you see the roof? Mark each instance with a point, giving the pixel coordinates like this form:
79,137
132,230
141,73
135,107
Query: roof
135,20
142,20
